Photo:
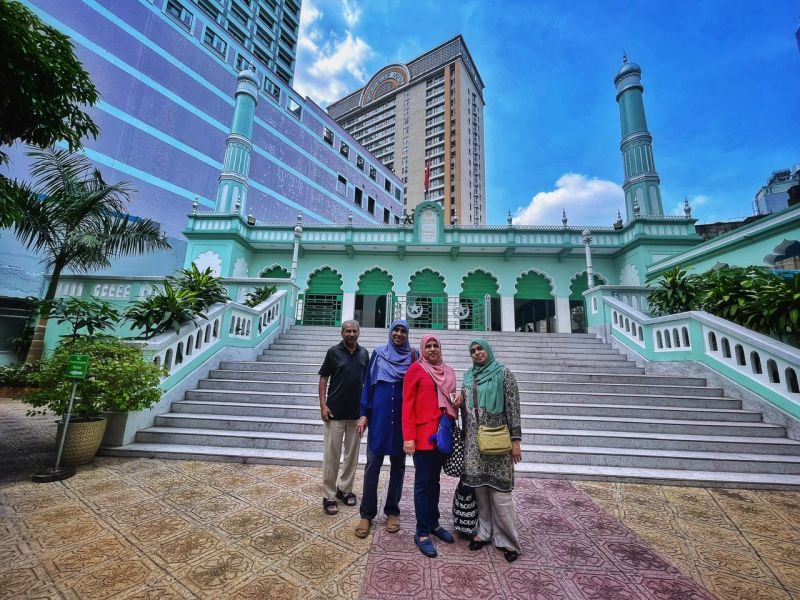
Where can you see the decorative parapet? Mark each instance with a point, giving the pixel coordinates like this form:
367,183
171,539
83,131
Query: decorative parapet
606,240
762,365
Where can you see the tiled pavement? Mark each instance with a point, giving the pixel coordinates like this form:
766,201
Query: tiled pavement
132,528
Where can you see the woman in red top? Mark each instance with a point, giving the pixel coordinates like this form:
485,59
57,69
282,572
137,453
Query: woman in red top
428,391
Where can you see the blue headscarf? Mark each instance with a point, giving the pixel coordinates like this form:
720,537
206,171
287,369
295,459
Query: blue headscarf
392,362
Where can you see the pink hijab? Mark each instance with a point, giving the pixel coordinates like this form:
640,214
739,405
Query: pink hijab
442,374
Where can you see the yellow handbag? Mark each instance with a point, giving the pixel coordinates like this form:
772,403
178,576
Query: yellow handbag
492,441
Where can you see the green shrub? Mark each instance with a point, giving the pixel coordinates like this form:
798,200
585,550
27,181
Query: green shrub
258,295
164,310
18,374
752,297
119,379
93,315
204,284
676,292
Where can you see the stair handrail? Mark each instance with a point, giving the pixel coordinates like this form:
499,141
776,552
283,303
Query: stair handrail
759,363
227,324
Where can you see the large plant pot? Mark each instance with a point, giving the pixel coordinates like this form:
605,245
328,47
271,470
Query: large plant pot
83,440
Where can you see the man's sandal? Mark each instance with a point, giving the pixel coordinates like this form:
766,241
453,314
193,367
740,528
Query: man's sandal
392,524
362,529
349,498
330,506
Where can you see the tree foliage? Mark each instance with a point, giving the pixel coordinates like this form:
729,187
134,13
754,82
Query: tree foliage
44,84
166,309
205,284
749,296
75,220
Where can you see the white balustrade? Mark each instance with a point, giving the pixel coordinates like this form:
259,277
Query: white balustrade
174,351
754,356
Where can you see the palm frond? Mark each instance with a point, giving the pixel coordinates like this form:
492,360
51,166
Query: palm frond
124,236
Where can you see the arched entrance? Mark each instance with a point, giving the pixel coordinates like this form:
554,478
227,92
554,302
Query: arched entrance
426,302
474,289
322,301
275,272
577,305
373,288
534,307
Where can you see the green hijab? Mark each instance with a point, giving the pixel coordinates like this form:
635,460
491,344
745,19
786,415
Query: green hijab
488,379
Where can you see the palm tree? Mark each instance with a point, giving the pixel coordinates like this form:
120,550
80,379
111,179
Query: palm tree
76,221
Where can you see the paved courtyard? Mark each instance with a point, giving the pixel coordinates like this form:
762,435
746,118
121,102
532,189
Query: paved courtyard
135,528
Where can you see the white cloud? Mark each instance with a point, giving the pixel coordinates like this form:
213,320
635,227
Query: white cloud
694,202
352,13
328,65
586,201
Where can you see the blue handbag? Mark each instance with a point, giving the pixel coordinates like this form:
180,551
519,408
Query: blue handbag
443,438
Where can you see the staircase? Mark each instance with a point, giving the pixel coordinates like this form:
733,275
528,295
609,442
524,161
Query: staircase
588,412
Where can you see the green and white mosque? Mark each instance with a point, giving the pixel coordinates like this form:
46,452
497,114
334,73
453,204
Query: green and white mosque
558,280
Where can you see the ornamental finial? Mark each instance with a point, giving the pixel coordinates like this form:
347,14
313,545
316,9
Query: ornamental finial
195,204
687,210
564,217
636,208
624,57
508,218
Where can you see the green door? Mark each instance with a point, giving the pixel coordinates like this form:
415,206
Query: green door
322,301
472,301
426,303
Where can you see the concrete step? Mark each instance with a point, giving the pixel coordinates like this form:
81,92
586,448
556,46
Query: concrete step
712,478
627,400
533,410
264,397
461,354
307,364
664,459
632,424
610,377
310,423
273,440
653,383
316,331
662,441
284,343
569,393
618,388
563,455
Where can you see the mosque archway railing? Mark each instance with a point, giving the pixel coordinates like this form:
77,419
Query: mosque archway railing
425,312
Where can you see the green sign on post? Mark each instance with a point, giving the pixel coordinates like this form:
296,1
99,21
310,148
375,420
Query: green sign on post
78,366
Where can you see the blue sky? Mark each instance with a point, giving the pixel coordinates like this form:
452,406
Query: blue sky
722,92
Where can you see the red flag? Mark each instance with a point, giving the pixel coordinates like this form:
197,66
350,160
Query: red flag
427,175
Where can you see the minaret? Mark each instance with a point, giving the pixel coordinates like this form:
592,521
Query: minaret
641,180
232,188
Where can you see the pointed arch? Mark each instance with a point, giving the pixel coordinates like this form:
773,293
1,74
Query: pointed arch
427,275
374,281
478,282
275,271
324,280
527,280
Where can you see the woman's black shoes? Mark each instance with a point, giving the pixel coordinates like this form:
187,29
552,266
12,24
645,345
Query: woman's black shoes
511,555
477,544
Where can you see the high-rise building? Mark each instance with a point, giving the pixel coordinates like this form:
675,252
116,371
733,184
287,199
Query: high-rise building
167,74
774,196
427,112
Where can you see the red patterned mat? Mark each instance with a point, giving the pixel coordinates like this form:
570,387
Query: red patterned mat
571,548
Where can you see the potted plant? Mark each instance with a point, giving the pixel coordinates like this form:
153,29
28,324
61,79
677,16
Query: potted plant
259,294
119,379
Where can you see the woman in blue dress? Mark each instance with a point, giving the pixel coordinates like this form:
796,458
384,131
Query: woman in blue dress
382,414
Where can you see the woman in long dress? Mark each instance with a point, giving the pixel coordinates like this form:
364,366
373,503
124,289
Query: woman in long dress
491,398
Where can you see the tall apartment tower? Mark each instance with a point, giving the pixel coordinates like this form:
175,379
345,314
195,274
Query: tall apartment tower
428,111
167,73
